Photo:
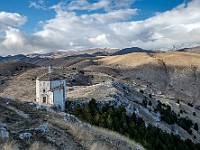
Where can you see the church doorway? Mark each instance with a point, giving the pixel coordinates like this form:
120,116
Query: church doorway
44,99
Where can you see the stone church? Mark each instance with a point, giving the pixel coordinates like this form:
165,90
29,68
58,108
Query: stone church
51,89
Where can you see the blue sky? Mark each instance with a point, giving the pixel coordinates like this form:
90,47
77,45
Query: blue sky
147,9
34,15
42,25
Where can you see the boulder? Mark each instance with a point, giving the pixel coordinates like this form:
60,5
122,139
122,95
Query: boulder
4,132
25,135
72,118
42,128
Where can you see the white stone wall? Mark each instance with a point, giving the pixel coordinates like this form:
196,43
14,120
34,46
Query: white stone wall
42,90
57,96
37,90
50,98
56,83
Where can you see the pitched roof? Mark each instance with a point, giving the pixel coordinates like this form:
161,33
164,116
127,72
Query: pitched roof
60,87
50,77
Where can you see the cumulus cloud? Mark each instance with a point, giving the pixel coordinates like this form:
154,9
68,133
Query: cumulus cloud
80,31
15,42
11,19
180,25
112,28
11,39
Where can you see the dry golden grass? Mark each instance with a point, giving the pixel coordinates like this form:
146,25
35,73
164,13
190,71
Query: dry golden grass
35,146
87,138
95,138
13,67
99,91
129,60
10,146
98,146
118,137
23,85
182,59
41,146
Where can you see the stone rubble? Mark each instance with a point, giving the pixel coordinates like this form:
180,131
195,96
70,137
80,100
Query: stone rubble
72,118
42,128
25,135
4,133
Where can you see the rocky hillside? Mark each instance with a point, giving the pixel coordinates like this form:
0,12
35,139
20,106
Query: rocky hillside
174,73
29,125
139,81
191,50
14,67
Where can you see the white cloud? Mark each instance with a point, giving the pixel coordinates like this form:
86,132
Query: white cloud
11,19
99,40
14,39
85,5
39,4
107,5
111,28
115,15
11,39
174,27
79,31
14,42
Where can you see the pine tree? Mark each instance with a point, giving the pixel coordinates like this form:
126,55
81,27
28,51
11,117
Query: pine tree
196,127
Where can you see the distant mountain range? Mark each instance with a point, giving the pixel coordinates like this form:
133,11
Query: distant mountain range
19,57
82,53
131,50
191,50
36,58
